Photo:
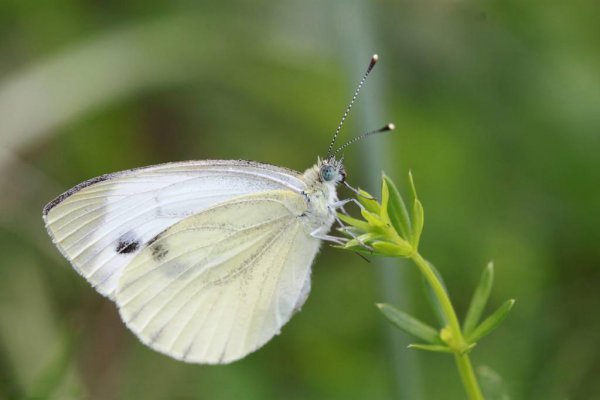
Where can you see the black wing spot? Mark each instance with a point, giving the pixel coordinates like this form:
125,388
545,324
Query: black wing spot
127,244
159,252
154,239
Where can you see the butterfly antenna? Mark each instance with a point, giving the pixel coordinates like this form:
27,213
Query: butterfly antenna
387,128
360,85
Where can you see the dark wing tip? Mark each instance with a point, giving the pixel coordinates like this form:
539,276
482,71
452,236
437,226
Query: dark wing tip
74,190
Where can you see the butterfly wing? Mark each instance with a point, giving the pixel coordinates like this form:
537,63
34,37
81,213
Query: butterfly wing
101,224
220,284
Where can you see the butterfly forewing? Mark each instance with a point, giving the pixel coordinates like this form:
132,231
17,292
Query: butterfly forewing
100,225
219,284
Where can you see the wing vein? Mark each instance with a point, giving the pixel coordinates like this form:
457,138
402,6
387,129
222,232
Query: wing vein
252,262
186,253
174,279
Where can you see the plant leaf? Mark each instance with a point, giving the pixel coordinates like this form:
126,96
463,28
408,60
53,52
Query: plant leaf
360,240
385,200
479,300
413,190
418,222
418,214
396,210
431,297
373,219
368,201
400,249
431,347
410,324
354,222
491,322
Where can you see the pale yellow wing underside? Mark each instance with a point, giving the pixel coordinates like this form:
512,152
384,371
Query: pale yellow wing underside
220,284
100,225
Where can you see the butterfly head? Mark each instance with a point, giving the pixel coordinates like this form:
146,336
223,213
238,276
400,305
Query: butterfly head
331,170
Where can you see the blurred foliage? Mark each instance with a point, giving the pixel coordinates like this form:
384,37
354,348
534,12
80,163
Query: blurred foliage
497,108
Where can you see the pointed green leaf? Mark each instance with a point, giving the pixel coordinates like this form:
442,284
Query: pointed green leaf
418,214
372,219
418,220
409,324
430,347
359,240
491,322
396,209
399,249
413,190
354,222
368,201
432,298
479,300
385,200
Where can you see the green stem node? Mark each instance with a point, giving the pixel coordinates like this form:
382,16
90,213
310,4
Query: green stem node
452,334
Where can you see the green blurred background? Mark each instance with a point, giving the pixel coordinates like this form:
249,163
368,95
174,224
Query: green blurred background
497,107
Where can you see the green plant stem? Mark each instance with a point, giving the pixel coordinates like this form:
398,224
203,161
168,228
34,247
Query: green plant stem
457,341
465,368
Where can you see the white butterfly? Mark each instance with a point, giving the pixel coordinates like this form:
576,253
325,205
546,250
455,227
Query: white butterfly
206,260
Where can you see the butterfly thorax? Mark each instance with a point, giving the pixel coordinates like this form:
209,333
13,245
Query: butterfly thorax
320,193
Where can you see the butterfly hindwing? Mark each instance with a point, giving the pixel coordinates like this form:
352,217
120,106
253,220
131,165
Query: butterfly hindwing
219,284
102,224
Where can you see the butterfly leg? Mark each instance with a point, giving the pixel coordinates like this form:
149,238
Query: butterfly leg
340,205
358,193
319,234
348,230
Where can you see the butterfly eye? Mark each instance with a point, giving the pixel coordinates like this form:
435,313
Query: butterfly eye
328,173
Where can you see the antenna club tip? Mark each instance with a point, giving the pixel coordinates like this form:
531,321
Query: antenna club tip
373,62
391,127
